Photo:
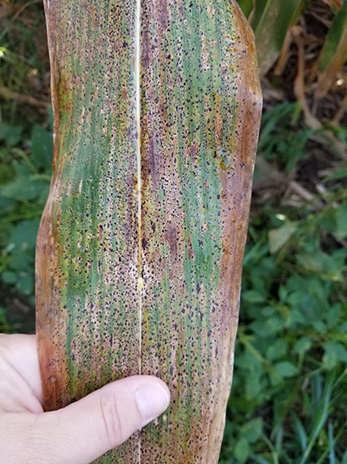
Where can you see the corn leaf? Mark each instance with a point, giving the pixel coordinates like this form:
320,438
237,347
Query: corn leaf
247,6
156,117
270,22
334,53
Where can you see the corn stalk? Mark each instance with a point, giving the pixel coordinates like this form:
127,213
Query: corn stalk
156,115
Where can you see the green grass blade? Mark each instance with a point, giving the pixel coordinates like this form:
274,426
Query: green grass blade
332,458
320,417
300,431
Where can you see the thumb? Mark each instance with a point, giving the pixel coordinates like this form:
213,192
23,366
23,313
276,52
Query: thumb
85,430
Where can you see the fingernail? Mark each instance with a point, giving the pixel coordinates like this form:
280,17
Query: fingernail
152,399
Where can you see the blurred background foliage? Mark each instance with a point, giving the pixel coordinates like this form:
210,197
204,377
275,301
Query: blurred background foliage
288,403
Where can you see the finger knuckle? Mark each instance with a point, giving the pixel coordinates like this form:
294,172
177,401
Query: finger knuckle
111,422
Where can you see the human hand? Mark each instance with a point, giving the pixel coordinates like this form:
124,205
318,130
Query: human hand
77,434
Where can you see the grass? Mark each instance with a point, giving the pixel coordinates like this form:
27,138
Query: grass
290,381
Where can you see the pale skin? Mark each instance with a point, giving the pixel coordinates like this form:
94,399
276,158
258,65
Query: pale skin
77,434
